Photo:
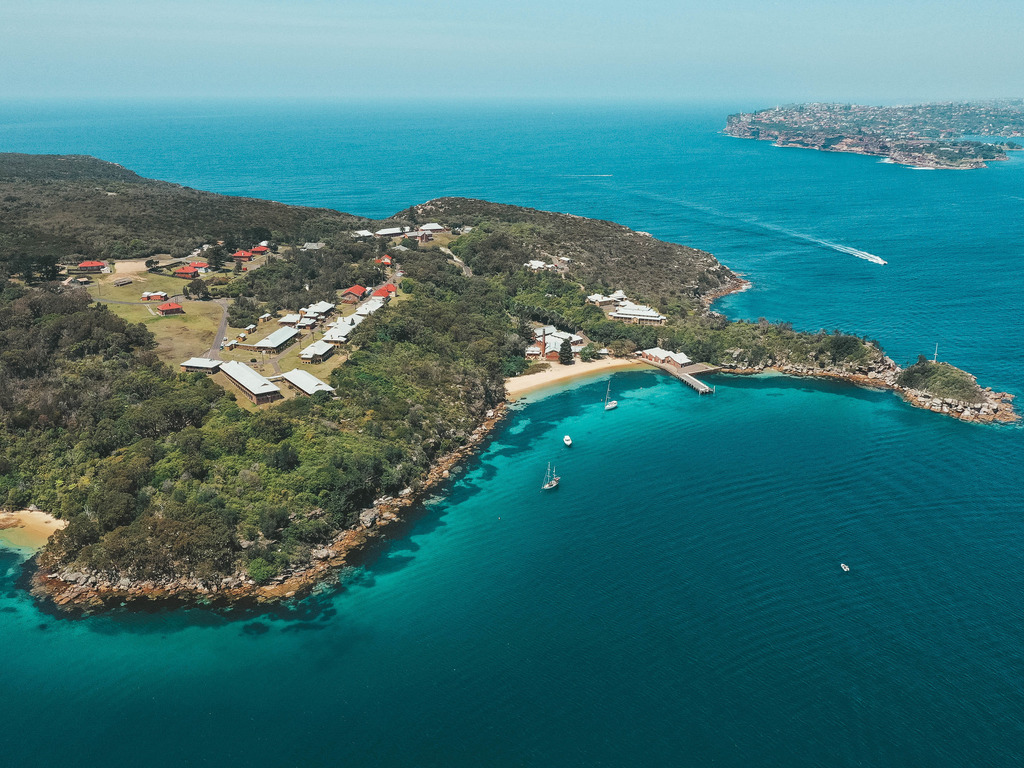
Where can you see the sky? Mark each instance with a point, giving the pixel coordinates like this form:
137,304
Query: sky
766,51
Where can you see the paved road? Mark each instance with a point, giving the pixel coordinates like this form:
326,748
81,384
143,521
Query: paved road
218,337
458,262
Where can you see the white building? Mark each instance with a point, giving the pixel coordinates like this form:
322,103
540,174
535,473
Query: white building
317,352
200,364
255,386
275,341
537,265
305,382
638,314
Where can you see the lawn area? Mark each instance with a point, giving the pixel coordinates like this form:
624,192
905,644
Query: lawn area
178,337
103,288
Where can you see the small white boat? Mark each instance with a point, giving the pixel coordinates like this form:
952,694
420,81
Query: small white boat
550,479
844,566
610,405
567,440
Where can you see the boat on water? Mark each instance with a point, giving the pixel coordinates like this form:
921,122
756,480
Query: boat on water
567,440
551,479
844,566
610,405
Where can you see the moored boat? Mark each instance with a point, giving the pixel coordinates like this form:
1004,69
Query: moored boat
551,479
610,405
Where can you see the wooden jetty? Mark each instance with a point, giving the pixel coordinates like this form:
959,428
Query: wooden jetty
687,373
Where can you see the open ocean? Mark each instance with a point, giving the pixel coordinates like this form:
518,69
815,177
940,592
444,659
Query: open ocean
678,601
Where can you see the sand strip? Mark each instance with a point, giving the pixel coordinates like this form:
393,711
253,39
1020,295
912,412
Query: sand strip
558,374
27,528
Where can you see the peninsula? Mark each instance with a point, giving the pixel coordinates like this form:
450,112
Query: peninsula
228,400
923,135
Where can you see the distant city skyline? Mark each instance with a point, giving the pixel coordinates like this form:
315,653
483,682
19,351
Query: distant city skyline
738,50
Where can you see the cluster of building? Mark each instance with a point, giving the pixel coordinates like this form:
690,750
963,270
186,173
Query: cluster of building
250,254
537,265
627,311
548,340
338,332
425,233
254,385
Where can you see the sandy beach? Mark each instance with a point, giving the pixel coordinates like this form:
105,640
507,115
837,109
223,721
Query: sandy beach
521,385
27,528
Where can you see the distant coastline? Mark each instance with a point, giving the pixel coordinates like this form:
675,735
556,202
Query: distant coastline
925,136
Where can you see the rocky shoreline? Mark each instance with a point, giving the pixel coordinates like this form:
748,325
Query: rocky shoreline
996,408
88,592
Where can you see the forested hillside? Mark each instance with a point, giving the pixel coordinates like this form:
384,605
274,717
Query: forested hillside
56,206
604,256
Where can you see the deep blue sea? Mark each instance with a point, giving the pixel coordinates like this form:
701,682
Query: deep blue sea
678,601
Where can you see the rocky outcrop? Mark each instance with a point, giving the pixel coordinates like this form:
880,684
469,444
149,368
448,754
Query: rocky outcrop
995,407
86,591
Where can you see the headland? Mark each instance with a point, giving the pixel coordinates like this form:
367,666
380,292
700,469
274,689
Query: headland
922,136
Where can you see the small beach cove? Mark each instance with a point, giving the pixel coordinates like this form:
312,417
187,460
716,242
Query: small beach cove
27,530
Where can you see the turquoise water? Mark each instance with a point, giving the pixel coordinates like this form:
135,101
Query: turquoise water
678,600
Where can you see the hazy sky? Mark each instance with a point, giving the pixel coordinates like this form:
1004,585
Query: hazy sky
725,50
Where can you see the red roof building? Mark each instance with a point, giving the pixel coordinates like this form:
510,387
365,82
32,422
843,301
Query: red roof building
199,265
389,291
186,272
353,294
242,256
260,249
170,308
91,266
385,259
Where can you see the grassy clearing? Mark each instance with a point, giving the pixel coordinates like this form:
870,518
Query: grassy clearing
105,290
178,337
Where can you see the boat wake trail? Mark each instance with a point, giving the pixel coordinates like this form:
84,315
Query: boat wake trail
744,222
824,243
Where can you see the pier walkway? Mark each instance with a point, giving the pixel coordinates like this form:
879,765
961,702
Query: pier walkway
686,375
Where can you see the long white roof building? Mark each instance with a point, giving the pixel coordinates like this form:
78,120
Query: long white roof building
277,338
305,381
246,377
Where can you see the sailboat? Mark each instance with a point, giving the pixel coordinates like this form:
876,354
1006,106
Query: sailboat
610,405
550,479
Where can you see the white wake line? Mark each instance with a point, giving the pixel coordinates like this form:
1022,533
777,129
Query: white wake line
770,227
855,252
826,243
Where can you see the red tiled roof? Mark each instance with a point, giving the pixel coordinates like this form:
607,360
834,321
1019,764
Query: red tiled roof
382,292
199,264
358,290
260,249
168,306
91,264
186,271
240,254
